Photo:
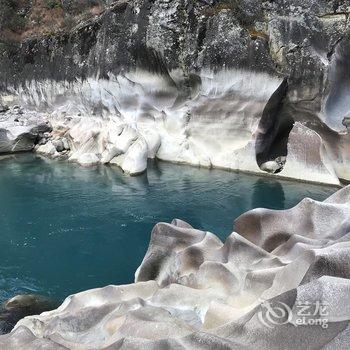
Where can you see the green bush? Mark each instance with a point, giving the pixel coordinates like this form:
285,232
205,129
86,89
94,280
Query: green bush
51,4
10,15
7,49
17,23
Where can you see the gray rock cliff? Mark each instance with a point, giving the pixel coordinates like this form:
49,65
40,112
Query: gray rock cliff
183,43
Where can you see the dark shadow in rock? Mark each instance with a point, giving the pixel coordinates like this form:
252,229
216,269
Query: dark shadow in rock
274,129
152,61
20,306
337,107
269,194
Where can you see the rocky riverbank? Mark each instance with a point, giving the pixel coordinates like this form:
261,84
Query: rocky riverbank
257,86
19,131
227,122
251,85
281,281
227,119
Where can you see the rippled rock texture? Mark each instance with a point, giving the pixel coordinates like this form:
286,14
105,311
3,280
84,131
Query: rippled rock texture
249,85
194,292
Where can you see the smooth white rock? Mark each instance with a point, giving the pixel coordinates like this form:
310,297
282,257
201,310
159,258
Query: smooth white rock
88,159
48,149
214,126
135,160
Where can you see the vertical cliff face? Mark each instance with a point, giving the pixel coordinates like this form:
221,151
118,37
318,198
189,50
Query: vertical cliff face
190,35
197,66
277,37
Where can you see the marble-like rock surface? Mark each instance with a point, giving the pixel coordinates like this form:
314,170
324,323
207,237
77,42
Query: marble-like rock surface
230,119
194,292
92,141
215,83
20,133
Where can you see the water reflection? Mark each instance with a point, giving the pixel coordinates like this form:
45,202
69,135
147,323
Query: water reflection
268,193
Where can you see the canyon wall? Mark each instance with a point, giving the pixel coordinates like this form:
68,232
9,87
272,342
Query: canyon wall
256,86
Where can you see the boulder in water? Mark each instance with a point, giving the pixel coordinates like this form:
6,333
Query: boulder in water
20,306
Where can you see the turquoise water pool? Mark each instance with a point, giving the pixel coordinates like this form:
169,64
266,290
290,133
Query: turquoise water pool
66,228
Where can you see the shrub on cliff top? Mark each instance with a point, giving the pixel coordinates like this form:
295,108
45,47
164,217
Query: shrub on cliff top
51,4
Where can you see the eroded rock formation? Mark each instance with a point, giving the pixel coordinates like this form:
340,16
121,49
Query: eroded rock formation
194,292
20,133
197,82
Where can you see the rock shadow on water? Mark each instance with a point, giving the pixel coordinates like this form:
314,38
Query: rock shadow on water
269,194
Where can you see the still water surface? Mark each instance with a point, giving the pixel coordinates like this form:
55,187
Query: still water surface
66,228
